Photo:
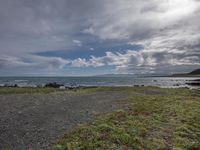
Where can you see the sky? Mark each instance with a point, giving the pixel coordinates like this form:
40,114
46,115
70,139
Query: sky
90,37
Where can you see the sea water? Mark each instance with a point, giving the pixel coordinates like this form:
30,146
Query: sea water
99,81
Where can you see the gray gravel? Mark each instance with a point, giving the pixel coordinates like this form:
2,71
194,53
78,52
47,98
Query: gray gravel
34,121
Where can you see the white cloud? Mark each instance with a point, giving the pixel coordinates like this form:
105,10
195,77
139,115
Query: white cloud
77,42
139,19
79,62
12,62
32,62
145,61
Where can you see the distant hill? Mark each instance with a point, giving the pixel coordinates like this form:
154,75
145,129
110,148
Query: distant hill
115,75
197,71
130,75
193,73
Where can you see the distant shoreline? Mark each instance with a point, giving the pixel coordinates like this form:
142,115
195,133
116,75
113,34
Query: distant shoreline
181,75
74,83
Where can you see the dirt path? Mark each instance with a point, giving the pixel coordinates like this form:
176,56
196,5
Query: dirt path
33,121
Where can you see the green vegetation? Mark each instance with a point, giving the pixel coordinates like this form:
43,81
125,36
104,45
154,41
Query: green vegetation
17,90
156,119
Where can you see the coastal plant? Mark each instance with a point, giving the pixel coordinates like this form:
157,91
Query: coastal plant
151,122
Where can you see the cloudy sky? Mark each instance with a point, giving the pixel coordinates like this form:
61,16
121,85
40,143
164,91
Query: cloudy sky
87,37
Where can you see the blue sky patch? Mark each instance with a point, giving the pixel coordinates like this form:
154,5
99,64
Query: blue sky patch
97,50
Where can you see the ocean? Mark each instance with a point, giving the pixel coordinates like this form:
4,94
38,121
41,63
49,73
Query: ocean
171,82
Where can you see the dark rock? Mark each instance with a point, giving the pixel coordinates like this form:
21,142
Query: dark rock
196,80
15,85
53,85
8,85
193,83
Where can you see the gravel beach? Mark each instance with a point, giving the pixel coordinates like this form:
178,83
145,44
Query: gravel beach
34,121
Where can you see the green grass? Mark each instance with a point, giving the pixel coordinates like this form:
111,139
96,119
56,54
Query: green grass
167,119
16,90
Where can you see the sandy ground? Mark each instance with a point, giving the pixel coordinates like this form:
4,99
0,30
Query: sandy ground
34,121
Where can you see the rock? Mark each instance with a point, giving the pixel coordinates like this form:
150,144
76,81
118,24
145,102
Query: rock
62,87
136,86
54,85
193,83
8,85
196,80
15,85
